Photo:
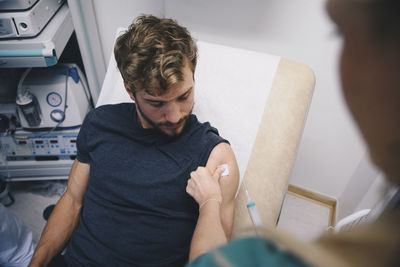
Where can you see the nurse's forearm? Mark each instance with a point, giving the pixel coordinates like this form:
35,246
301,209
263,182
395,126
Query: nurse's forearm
209,232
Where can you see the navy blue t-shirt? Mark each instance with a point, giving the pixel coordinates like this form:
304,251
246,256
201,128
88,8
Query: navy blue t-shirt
136,211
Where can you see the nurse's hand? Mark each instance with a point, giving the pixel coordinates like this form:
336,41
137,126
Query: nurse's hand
204,186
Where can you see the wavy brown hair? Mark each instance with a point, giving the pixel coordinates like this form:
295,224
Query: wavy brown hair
152,52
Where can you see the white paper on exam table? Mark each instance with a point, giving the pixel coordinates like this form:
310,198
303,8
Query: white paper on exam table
231,89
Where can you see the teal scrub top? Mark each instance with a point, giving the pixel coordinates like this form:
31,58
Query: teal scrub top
249,251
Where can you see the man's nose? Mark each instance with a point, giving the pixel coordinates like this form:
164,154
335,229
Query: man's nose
173,113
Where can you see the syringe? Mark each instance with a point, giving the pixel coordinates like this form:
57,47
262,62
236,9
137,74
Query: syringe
254,215
251,206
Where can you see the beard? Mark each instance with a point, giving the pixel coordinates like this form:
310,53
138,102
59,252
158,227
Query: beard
173,133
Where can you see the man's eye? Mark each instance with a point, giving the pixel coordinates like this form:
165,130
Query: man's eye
183,98
156,104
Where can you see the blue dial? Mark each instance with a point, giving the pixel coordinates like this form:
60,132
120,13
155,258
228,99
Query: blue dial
57,115
54,99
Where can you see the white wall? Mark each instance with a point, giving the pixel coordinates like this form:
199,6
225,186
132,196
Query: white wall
363,180
331,149
376,193
120,13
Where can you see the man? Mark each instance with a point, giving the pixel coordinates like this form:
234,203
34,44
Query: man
126,204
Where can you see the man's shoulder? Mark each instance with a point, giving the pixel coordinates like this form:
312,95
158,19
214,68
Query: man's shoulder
110,111
203,133
203,127
107,116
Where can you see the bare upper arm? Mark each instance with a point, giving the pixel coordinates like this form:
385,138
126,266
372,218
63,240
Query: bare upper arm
223,154
78,181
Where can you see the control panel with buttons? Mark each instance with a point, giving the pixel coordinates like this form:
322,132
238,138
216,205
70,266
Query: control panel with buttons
31,146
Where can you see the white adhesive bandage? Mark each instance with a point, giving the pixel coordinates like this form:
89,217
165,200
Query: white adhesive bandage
226,170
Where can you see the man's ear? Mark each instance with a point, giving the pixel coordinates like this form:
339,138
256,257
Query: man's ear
130,93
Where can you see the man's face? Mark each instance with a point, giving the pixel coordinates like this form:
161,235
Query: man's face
169,112
371,83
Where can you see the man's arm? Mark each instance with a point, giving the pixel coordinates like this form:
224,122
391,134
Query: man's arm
223,154
214,225
64,217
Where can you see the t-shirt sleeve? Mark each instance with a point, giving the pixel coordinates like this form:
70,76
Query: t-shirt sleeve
82,140
212,139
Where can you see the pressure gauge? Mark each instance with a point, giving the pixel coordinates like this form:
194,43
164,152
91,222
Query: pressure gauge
54,99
